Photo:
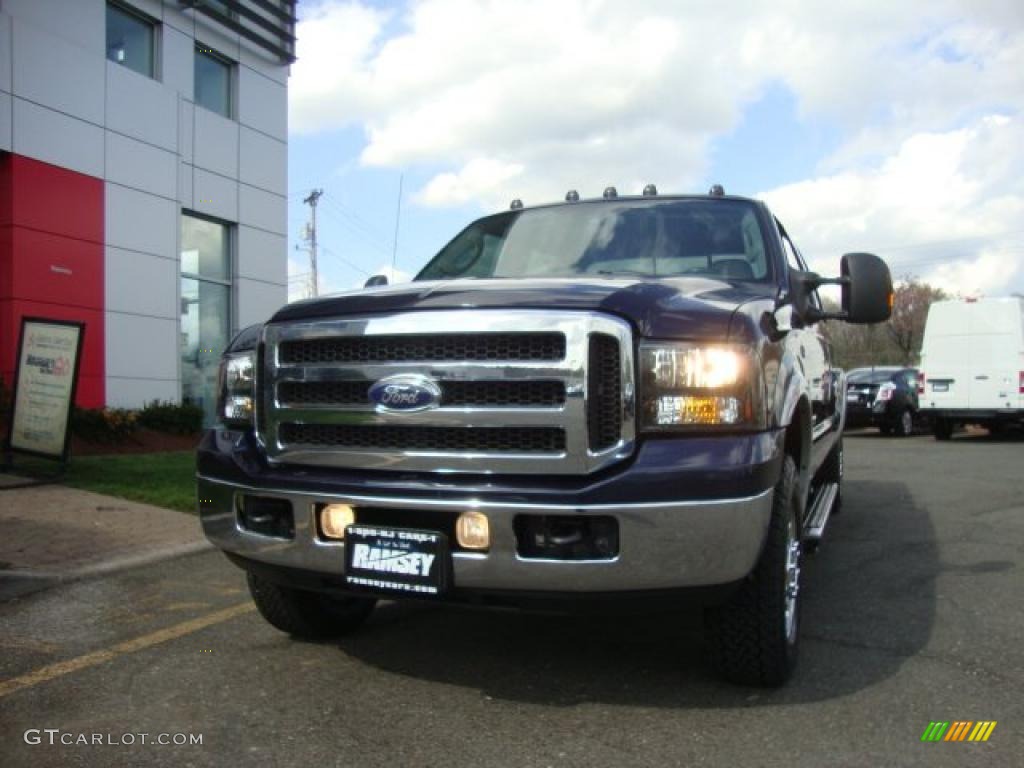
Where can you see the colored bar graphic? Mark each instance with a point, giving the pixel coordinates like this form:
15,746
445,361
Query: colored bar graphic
958,730
982,730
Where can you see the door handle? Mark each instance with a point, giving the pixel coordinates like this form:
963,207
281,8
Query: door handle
981,378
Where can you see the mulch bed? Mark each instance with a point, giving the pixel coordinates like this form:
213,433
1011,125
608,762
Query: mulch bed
143,441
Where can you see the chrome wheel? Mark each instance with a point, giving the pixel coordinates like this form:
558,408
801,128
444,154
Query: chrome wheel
792,578
906,423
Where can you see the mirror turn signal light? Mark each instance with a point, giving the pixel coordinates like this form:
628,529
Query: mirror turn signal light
473,530
334,519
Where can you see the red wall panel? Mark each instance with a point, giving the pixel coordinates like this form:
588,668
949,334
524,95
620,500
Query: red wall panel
51,261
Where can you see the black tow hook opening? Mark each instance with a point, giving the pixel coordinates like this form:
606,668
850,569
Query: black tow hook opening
567,537
266,515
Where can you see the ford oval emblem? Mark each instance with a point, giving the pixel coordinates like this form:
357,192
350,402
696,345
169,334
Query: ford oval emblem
405,392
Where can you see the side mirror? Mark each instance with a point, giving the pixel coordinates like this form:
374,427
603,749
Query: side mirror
372,282
867,288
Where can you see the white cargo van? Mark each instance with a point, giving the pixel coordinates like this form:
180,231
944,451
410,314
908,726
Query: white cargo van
972,364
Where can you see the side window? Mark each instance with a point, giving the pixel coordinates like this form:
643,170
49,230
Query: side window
795,261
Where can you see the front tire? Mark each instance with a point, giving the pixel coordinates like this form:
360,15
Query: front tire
905,423
754,637
308,615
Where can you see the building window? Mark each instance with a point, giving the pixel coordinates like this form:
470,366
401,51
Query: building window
205,308
212,81
130,40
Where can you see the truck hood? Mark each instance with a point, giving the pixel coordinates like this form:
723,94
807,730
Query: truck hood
693,308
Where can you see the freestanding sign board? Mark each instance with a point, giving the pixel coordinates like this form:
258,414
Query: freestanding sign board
49,352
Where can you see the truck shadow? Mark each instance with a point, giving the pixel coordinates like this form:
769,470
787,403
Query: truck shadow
869,605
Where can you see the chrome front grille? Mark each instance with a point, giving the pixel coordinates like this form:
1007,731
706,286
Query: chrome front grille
556,395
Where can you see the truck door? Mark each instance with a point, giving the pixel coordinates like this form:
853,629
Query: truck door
814,353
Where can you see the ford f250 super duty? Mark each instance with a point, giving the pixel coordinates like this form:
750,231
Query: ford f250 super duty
619,398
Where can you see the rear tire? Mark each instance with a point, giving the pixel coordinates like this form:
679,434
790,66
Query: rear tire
754,637
942,429
308,615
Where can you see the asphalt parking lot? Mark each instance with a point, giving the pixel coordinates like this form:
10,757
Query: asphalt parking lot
912,614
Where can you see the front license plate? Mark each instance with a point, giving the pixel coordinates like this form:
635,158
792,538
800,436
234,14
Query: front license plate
852,398
399,561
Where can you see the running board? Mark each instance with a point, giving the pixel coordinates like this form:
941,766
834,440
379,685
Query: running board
818,518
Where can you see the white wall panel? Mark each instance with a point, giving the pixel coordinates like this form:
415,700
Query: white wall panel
126,272
262,255
141,347
55,138
135,393
141,166
264,161
215,143
262,103
141,108
185,174
5,45
178,57
258,301
186,129
5,122
139,221
215,195
259,208
264,63
56,73
83,22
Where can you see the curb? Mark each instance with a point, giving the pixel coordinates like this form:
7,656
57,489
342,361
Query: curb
107,567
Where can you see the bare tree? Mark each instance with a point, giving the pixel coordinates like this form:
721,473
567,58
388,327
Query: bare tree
896,342
909,313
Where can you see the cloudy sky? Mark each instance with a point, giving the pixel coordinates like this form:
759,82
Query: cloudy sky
894,127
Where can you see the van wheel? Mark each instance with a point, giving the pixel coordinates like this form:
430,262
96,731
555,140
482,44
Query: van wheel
754,635
942,429
905,425
308,615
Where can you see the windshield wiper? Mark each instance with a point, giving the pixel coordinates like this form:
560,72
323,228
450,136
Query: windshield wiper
630,272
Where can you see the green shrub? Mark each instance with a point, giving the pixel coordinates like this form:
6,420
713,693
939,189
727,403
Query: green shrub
103,425
180,419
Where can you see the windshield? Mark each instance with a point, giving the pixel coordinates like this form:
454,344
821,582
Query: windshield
714,238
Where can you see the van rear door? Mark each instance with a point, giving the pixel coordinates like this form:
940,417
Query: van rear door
945,357
994,354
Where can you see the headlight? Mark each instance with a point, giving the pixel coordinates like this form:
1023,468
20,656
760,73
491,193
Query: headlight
689,385
237,389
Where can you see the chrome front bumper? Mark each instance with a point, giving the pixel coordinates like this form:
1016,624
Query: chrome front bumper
664,545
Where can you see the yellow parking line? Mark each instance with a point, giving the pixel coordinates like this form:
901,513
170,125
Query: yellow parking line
61,668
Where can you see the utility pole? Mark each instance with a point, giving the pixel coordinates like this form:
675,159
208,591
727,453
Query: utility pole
314,195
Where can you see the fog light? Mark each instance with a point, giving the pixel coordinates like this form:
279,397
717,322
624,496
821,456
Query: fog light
473,530
334,518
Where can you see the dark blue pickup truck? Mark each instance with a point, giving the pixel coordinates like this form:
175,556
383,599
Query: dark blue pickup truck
620,399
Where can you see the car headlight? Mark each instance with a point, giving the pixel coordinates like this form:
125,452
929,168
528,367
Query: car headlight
236,389
692,385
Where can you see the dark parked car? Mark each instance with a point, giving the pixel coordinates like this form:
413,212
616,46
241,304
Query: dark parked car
883,397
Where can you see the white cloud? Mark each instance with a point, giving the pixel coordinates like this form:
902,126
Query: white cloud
947,207
591,92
